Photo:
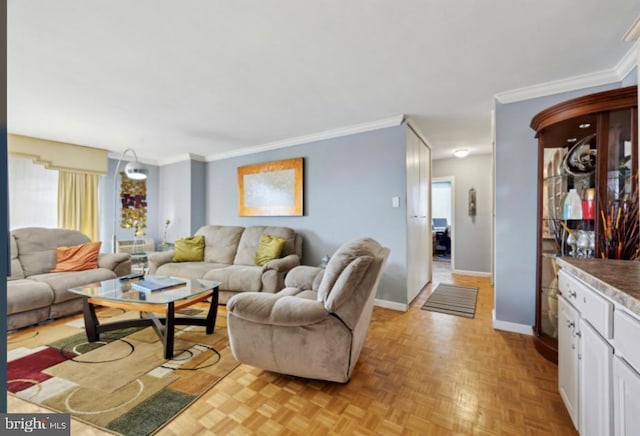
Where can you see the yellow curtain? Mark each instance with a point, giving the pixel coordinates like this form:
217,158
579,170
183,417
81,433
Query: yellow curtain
78,203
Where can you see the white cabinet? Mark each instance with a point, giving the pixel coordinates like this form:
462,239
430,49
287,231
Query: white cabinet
419,242
598,360
595,370
626,374
568,357
626,400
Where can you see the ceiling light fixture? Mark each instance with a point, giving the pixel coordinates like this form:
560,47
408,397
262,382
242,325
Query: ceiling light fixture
585,125
572,139
462,152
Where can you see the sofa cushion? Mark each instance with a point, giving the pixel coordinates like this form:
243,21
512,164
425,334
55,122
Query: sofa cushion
221,243
78,257
61,281
248,245
190,270
16,267
24,295
269,248
236,277
190,249
37,247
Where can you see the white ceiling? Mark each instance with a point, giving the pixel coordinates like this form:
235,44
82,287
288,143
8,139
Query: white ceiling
214,77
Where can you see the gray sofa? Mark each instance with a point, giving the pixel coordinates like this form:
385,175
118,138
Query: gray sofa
229,257
317,325
35,294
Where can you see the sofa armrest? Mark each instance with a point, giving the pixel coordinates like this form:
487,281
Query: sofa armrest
157,259
112,260
283,264
274,309
304,277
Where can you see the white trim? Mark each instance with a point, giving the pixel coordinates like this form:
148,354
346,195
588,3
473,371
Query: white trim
391,305
511,326
633,34
328,134
603,77
418,132
471,273
182,158
628,62
557,86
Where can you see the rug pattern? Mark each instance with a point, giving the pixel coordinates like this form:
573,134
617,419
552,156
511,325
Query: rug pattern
453,300
121,383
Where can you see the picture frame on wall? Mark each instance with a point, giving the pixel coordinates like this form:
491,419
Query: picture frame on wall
271,188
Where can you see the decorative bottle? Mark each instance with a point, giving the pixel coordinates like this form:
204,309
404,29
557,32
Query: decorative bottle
572,206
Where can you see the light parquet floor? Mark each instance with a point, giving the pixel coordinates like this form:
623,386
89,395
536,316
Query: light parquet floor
420,372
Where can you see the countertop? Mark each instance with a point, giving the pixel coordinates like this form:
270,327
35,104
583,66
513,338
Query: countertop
617,279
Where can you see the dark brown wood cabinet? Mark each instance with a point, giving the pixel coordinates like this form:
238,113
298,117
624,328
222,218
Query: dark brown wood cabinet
587,167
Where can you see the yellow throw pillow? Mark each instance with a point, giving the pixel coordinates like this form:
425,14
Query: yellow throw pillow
190,249
78,257
269,248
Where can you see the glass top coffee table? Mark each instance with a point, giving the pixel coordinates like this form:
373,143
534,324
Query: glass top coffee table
122,294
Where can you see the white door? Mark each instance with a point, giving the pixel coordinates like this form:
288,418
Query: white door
626,399
596,361
568,357
418,215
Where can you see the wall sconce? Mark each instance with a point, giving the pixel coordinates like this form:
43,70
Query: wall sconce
472,202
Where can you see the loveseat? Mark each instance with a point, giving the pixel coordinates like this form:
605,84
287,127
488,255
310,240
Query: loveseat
36,294
229,257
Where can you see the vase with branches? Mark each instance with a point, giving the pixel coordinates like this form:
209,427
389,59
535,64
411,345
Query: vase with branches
620,229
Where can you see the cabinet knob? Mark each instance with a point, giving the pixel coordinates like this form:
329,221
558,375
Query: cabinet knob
578,334
572,294
571,324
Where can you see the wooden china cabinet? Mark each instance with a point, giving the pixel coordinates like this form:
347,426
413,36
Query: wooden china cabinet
587,162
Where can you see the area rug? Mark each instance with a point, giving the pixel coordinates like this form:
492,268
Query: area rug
121,384
453,300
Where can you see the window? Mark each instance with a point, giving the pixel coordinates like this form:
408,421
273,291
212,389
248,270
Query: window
33,194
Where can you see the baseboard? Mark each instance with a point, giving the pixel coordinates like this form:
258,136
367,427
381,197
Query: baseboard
391,305
471,273
513,327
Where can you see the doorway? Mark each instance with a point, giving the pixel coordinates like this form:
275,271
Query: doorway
442,212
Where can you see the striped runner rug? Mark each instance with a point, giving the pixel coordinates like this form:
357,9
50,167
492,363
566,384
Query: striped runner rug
453,300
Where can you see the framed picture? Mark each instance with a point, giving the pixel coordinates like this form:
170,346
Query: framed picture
271,188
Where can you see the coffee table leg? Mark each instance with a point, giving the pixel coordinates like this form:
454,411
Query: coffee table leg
90,320
169,330
213,313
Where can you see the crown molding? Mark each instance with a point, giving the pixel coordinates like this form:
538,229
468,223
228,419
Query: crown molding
628,62
328,134
633,34
603,77
557,86
181,158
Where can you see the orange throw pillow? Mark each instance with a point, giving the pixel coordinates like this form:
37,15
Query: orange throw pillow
78,257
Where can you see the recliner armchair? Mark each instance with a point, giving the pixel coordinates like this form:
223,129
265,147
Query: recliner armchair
316,326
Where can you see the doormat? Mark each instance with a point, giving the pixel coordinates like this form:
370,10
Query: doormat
123,383
453,300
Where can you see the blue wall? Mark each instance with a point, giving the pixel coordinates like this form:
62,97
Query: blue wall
516,161
348,186
472,250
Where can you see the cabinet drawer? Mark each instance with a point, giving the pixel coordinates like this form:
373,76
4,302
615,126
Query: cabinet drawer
626,334
593,307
